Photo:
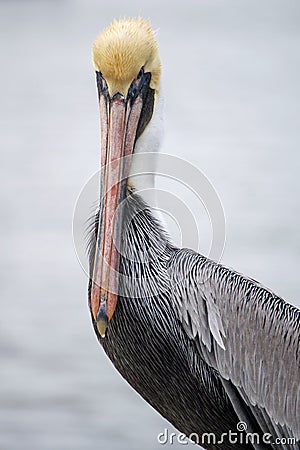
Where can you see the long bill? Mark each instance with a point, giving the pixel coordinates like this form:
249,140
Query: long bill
119,117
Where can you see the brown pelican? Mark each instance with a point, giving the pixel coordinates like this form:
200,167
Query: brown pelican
206,346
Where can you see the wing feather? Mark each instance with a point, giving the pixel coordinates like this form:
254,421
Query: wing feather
246,333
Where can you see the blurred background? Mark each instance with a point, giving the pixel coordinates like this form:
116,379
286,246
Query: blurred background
231,82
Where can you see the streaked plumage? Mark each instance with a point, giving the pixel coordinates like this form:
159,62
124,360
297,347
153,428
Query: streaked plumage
204,345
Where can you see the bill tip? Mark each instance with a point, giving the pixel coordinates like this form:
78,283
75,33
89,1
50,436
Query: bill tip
102,323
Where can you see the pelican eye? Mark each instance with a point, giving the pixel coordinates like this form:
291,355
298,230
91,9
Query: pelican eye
101,84
140,74
139,84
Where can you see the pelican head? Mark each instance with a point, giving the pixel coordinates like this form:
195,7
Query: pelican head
128,69
122,51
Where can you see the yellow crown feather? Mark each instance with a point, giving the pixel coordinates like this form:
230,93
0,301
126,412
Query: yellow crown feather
122,49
